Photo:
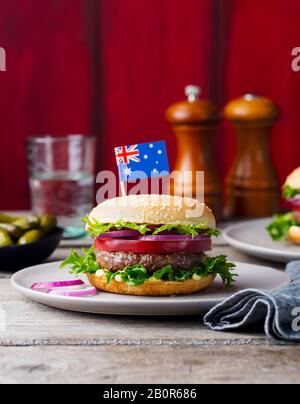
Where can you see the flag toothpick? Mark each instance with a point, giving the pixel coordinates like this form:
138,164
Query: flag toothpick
140,161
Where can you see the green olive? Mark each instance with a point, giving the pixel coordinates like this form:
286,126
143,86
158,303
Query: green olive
5,239
30,236
13,231
27,223
7,219
47,223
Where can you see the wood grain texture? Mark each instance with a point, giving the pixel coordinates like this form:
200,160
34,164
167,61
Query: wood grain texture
47,345
149,365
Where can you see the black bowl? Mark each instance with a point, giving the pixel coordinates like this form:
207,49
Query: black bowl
21,256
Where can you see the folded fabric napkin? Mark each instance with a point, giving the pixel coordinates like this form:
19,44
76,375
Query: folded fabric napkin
280,310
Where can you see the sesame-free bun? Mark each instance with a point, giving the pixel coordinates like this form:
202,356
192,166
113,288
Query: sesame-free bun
160,288
293,180
294,234
154,209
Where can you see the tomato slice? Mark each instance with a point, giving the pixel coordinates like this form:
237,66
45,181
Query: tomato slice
153,247
295,204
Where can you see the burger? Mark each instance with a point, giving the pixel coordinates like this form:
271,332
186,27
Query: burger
151,245
287,226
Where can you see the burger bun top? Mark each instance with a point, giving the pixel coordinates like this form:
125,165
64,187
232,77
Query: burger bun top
293,180
154,209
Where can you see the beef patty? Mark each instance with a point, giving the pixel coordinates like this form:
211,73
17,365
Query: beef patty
117,261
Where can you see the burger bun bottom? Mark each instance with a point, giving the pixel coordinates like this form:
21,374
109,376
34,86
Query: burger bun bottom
159,288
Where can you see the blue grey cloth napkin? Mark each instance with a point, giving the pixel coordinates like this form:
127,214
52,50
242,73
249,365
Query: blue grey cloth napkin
280,310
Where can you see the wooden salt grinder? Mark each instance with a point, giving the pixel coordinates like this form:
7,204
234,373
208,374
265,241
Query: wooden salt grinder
252,188
194,122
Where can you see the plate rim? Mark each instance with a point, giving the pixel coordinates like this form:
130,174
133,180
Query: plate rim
250,247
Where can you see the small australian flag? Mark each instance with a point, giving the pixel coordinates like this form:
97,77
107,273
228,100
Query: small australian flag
145,160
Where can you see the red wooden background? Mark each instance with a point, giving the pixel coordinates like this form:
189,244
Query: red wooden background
112,67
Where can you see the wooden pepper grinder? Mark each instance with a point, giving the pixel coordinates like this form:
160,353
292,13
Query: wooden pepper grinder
194,122
252,187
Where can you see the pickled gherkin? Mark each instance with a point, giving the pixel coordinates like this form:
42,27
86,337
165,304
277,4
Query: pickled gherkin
30,236
27,223
7,219
22,230
47,223
5,239
13,230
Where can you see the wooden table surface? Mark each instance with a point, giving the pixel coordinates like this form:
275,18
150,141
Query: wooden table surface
46,345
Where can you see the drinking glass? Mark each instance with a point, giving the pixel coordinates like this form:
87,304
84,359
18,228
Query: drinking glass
61,176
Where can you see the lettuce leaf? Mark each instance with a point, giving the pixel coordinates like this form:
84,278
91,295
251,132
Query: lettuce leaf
165,274
279,228
189,229
96,228
133,276
81,263
137,275
289,192
220,266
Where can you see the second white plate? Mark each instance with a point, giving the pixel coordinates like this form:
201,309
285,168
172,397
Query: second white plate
252,238
250,276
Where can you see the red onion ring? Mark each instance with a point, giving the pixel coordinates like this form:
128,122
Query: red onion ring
295,203
169,235
84,291
72,288
56,284
120,234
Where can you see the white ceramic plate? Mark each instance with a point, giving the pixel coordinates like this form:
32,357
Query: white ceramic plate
252,238
250,276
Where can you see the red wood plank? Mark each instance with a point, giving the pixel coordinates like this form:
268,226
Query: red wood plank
150,51
48,85
258,59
